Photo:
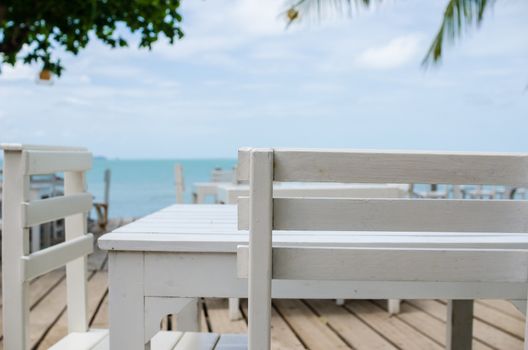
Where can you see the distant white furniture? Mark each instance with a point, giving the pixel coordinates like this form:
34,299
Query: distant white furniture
479,192
101,208
465,273
203,190
209,189
179,183
443,193
19,214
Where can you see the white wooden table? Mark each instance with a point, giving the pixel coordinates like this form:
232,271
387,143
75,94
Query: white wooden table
186,251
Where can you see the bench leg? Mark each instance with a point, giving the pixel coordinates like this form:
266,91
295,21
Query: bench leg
340,302
234,309
393,306
459,324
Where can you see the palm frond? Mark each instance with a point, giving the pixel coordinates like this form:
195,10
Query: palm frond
298,9
458,16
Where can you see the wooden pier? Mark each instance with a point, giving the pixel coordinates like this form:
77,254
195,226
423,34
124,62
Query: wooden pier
297,324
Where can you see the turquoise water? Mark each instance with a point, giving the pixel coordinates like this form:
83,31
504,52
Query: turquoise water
140,187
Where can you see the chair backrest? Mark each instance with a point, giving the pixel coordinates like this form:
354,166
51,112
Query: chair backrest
19,213
261,213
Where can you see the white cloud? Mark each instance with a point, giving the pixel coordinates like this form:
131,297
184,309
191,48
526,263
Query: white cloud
19,72
218,27
260,18
396,53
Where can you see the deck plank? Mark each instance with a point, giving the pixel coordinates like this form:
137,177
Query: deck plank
394,329
100,321
503,321
282,336
490,335
503,306
47,312
38,289
203,319
429,325
97,286
314,333
351,328
219,318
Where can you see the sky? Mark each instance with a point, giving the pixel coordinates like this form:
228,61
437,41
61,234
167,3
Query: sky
240,78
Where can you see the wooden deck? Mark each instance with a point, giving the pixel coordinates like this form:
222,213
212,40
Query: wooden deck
297,324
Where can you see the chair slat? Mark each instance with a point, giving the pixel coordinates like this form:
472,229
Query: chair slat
46,210
415,215
351,166
48,259
394,264
94,339
48,162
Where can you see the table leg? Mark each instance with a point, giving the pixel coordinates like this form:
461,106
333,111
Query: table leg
234,309
126,301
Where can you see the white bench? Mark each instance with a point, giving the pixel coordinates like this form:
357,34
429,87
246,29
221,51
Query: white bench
421,268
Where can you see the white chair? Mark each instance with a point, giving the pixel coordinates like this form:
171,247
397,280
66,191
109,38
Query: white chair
458,273
19,214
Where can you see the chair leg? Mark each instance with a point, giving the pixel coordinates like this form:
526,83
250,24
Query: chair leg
459,324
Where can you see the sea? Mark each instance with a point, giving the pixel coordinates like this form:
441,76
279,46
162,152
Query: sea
141,186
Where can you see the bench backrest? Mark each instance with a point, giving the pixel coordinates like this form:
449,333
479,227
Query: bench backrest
19,213
261,214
